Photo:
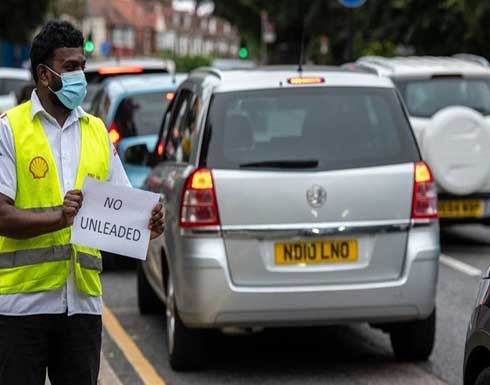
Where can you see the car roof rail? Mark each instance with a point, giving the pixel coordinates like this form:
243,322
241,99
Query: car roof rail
361,67
207,71
473,58
376,60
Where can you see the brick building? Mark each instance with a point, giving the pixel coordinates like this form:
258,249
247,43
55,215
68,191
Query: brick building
132,27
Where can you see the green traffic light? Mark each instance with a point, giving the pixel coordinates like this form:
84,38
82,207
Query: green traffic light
243,53
89,46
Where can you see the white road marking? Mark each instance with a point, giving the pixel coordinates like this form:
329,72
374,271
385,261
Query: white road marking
106,374
462,267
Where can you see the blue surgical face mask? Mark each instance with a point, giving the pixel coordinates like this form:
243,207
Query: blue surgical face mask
73,89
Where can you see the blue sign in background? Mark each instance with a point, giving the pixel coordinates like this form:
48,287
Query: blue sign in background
352,3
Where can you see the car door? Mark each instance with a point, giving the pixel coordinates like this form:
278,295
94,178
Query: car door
173,153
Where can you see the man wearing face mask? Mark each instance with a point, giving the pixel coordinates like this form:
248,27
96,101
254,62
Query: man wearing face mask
50,291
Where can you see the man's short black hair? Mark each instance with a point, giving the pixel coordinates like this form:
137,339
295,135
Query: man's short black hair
55,34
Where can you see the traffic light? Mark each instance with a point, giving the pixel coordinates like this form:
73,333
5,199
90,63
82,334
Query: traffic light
89,44
243,50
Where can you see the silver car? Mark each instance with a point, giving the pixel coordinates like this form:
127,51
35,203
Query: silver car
292,198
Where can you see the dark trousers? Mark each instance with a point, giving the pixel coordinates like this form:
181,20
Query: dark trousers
69,347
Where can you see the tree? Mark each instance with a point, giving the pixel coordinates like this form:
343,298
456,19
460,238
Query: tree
435,27
20,18
431,27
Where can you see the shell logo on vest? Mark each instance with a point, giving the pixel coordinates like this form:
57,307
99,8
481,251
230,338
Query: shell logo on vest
38,167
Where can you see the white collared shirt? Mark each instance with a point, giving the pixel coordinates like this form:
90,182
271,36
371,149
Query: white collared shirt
65,146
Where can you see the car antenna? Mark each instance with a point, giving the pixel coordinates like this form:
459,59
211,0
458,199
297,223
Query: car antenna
302,48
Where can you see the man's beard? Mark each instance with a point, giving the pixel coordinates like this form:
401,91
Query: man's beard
56,101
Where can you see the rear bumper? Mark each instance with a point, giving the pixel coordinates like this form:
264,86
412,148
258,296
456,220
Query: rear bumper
206,297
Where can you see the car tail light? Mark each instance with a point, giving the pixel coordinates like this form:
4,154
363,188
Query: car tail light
424,203
161,148
114,133
199,207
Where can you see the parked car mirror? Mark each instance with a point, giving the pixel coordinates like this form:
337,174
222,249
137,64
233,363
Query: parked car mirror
137,154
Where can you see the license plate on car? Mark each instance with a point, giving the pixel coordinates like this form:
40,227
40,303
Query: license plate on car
463,208
317,252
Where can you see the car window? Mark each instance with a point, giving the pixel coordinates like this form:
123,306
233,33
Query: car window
182,135
425,97
335,128
8,85
141,114
91,93
100,105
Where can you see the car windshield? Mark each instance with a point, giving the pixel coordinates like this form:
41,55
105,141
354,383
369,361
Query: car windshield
425,97
141,114
310,128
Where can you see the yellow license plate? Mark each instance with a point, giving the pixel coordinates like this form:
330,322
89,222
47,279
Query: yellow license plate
318,252
468,208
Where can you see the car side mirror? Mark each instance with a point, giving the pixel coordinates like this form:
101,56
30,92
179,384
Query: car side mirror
137,154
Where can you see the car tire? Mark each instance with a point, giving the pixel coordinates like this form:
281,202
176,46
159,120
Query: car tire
185,346
414,340
148,301
483,378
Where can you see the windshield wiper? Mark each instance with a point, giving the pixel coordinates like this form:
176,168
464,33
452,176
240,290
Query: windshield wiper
282,164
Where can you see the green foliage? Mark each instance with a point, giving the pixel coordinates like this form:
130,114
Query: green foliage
430,27
188,63
19,18
380,48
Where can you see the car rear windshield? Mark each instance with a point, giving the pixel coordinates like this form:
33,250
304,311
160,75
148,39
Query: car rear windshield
426,97
311,128
141,114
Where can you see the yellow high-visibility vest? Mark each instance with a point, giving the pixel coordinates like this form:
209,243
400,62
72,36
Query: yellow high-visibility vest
43,263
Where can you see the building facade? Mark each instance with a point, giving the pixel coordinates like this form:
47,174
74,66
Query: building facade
132,27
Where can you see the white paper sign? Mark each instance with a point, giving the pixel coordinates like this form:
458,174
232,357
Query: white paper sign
114,219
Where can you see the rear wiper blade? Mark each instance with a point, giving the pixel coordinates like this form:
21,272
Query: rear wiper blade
283,164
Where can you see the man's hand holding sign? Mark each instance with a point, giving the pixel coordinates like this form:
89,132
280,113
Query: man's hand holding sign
71,204
112,218
156,225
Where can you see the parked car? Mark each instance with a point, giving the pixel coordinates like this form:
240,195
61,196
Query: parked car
132,107
477,348
12,80
292,198
96,71
448,100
